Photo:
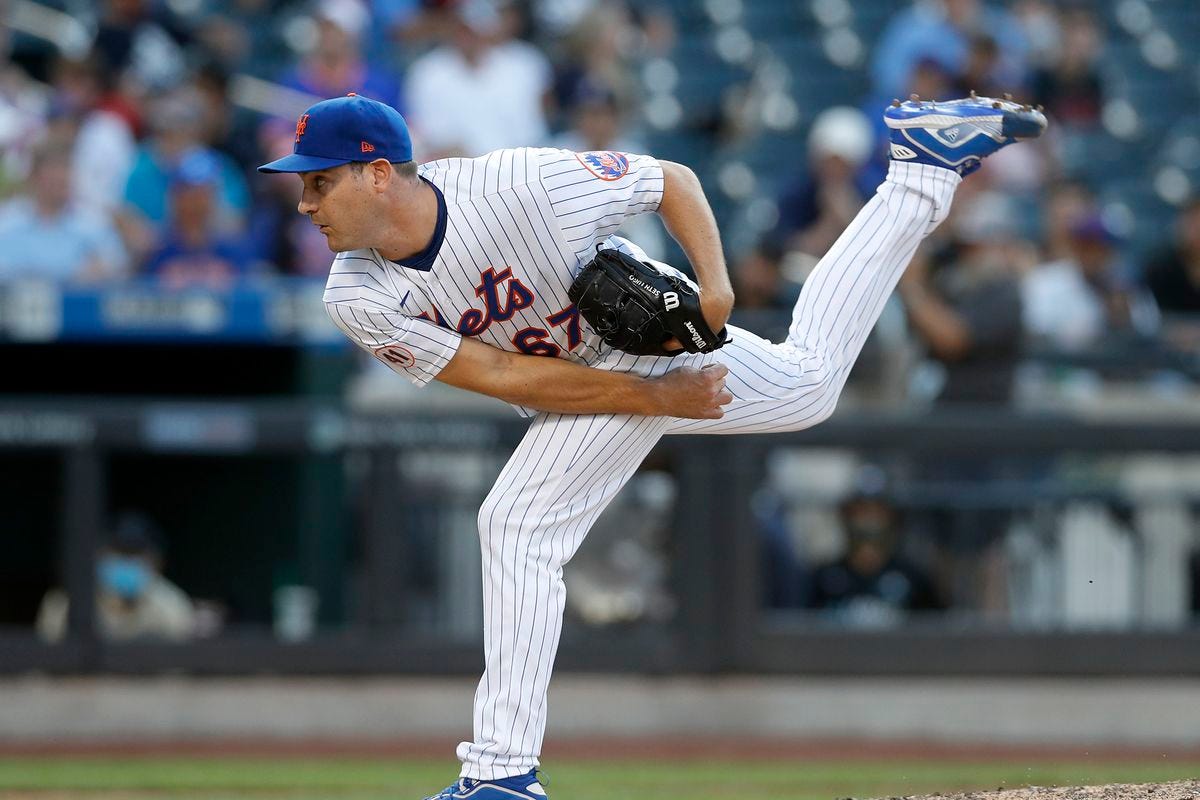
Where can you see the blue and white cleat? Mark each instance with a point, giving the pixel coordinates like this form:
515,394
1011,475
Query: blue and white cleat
521,787
959,134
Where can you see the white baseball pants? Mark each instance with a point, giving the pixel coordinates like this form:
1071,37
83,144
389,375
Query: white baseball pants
568,468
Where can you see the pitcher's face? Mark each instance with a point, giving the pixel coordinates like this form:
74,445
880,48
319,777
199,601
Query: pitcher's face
338,202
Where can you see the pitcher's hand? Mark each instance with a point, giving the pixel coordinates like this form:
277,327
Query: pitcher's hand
692,393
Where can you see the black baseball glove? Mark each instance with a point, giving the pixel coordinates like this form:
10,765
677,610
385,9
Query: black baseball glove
636,309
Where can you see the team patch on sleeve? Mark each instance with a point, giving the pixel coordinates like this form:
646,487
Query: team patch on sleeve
606,165
395,354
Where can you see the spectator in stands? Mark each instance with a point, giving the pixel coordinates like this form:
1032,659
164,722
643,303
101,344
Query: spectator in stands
335,65
964,305
594,52
762,286
814,210
243,35
968,315
48,236
598,122
1173,273
194,252
650,27
483,91
142,41
23,110
942,30
1040,21
178,126
406,23
980,69
224,129
1073,303
871,584
133,599
1070,86
103,123
1065,204
929,79
759,281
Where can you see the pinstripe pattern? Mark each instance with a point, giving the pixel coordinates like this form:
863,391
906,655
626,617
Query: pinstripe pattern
795,384
567,468
538,213
562,475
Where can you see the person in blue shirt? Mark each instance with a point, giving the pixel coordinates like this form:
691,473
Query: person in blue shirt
193,252
47,236
177,120
943,30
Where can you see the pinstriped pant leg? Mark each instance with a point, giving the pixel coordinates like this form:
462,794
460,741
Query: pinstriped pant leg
568,468
795,384
559,479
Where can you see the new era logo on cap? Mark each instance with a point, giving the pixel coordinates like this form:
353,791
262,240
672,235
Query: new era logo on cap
338,131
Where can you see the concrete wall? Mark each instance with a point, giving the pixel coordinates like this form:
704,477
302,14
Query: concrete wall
1014,712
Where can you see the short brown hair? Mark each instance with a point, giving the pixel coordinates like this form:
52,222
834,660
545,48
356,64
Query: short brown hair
405,169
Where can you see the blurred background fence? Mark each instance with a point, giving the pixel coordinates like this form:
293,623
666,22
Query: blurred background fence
353,549
199,475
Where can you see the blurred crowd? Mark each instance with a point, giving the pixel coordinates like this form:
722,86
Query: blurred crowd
130,131
1034,257
133,156
129,150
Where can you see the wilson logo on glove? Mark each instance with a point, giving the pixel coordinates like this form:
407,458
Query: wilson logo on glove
697,337
619,296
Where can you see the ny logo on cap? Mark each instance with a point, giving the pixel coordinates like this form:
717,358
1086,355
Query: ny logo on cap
301,124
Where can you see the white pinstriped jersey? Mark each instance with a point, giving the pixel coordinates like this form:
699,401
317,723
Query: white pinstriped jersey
514,228
542,506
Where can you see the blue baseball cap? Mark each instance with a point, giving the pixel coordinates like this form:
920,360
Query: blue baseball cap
344,129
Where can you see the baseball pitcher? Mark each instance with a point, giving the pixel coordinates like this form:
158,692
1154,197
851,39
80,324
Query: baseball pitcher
501,275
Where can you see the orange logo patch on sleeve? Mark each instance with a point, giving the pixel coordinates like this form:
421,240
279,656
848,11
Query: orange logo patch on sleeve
606,165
